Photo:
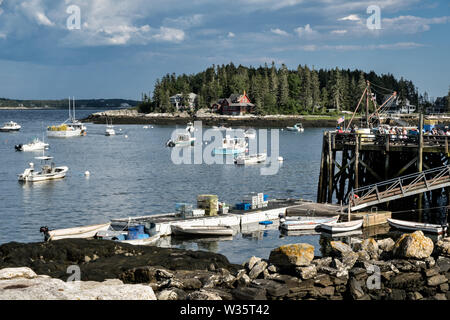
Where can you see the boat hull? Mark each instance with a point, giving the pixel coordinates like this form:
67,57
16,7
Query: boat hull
64,134
142,242
307,223
59,174
342,227
202,231
78,232
414,226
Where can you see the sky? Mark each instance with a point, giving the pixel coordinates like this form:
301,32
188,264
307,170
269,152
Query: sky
52,49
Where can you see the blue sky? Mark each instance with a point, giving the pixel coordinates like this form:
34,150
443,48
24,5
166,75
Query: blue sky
123,46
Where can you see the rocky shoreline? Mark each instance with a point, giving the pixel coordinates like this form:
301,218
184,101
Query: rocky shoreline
128,116
412,268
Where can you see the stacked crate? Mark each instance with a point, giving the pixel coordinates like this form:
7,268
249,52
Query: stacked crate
256,200
208,202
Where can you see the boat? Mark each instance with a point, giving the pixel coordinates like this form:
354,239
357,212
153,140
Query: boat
250,133
48,171
250,159
182,139
10,126
231,146
202,230
298,127
109,129
413,226
342,226
122,236
222,127
35,145
77,232
69,128
190,127
306,223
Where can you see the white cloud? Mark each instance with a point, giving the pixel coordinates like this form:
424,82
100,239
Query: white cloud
338,32
34,10
170,34
352,17
185,22
231,35
279,32
411,24
306,32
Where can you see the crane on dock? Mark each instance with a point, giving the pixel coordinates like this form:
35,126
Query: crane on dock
400,187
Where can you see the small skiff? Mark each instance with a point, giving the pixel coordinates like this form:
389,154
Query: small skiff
143,242
425,227
251,159
202,230
77,232
342,226
306,223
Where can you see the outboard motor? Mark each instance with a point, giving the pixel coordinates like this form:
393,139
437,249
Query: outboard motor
170,143
44,230
18,147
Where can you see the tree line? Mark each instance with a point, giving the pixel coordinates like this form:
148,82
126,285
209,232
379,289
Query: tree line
275,90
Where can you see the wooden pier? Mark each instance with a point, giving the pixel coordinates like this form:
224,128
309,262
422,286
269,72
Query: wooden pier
353,160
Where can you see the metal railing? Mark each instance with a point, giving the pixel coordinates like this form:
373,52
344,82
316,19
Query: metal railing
399,188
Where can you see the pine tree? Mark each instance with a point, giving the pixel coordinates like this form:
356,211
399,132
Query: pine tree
283,92
315,89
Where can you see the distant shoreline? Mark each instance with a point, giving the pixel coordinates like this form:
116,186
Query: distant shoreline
133,117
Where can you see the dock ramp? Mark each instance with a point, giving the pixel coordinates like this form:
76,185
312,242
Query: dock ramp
401,187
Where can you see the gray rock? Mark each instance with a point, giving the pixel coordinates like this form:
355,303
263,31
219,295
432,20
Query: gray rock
251,262
273,288
410,281
443,263
272,268
45,288
11,273
323,280
249,293
307,272
436,280
386,244
244,280
257,269
443,247
292,255
203,294
356,289
432,272
171,294
414,296
323,262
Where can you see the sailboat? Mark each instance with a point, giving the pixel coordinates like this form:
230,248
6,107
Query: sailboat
69,128
109,129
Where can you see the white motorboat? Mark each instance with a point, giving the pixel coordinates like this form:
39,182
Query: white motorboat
232,146
121,236
414,226
10,126
48,171
250,133
110,131
306,223
202,230
69,128
298,127
35,145
182,139
77,232
251,159
342,226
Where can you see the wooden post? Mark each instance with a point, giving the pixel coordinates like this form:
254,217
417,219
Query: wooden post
356,161
420,162
321,175
330,169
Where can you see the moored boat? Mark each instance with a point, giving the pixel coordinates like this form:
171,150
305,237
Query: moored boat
342,226
306,223
251,159
202,230
35,145
73,233
414,226
10,126
69,128
48,171
182,139
231,146
298,127
250,133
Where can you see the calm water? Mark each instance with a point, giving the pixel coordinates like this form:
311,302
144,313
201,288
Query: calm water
132,174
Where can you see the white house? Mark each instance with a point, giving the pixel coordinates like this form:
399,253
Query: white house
177,102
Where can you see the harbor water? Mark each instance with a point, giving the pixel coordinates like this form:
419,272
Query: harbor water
131,174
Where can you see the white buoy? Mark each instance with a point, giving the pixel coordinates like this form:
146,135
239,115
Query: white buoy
280,159
126,137
87,173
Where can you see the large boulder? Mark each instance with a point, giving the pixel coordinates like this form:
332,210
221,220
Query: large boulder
26,286
292,255
370,246
443,247
414,245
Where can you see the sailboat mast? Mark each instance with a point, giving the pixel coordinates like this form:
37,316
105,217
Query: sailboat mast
69,110
73,108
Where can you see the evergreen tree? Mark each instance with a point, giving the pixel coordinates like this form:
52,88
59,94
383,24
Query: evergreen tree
283,92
